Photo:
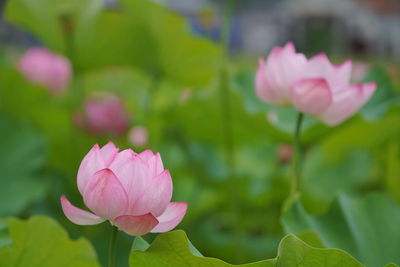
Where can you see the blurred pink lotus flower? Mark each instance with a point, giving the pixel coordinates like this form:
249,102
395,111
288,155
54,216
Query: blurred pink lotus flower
43,67
132,191
313,86
104,113
138,136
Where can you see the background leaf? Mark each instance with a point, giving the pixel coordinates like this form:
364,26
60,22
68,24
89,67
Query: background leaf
364,227
41,242
23,153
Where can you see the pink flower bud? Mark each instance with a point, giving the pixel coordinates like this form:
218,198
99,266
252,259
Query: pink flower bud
104,114
45,68
132,191
285,153
138,136
314,86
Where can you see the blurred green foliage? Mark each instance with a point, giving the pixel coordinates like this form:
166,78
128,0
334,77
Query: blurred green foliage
23,154
364,227
167,79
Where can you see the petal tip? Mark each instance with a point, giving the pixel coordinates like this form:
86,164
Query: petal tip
290,45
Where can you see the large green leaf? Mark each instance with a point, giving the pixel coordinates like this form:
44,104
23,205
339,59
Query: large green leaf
22,158
321,181
366,227
165,47
173,249
44,18
392,156
41,242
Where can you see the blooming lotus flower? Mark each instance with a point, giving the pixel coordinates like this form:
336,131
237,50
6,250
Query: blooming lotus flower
46,68
314,86
104,113
132,191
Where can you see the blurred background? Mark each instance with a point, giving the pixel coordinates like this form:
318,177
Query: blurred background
158,75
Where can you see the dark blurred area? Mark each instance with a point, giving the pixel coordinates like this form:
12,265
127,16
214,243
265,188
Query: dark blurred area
362,28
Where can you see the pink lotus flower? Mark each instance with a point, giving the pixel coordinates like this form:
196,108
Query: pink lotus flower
46,68
104,113
132,191
314,86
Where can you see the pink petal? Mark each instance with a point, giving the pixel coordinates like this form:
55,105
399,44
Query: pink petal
156,195
171,217
289,47
136,225
283,67
78,216
134,175
123,156
311,96
156,164
347,102
319,66
263,89
146,155
343,74
108,152
91,163
105,195
337,76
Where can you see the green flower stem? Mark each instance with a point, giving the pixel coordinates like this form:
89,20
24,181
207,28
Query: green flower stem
112,248
227,127
224,92
296,161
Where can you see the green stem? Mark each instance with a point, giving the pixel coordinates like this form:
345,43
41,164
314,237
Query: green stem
227,127
224,90
112,248
296,162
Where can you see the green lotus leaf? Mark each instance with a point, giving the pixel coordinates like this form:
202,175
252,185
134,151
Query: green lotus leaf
42,242
367,227
173,249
